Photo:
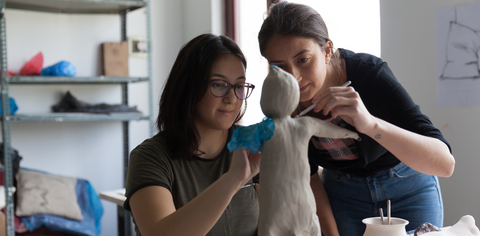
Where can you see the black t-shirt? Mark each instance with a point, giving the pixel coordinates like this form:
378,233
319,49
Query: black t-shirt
385,98
151,164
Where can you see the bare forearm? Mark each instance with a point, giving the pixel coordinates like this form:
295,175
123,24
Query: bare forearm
424,154
199,215
327,221
324,210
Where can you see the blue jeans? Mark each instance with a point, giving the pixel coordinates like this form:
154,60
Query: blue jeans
414,196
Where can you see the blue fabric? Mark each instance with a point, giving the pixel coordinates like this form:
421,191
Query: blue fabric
13,106
251,137
414,197
63,68
92,212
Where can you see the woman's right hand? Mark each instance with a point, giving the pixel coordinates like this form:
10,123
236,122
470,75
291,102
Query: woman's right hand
245,165
346,103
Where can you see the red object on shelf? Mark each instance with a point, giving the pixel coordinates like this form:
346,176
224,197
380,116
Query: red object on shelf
34,66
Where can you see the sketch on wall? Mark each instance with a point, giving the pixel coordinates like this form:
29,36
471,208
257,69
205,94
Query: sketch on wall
458,53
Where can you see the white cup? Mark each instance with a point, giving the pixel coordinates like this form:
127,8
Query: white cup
376,228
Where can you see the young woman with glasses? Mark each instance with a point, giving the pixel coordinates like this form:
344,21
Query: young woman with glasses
184,180
400,153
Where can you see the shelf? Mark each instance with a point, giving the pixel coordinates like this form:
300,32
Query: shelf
121,9
77,6
70,80
69,117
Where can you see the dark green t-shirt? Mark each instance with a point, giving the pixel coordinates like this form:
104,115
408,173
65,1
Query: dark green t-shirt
151,164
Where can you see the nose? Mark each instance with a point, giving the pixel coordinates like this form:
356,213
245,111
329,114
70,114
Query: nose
296,73
230,97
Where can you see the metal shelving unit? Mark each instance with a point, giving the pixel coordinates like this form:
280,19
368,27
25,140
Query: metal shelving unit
81,117
120,7
77,6
71,80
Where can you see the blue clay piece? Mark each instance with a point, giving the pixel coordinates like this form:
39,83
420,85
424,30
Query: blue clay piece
251,137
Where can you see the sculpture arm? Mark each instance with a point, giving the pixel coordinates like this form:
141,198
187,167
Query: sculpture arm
324,211
324,129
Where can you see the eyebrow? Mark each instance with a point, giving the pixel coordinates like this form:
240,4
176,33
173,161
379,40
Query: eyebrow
223,76
296,55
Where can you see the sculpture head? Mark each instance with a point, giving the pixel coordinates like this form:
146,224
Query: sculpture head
280,93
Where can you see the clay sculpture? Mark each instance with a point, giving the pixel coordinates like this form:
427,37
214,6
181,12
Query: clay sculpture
287,204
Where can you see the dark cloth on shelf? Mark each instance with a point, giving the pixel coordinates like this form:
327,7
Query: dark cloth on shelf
71,104
14,156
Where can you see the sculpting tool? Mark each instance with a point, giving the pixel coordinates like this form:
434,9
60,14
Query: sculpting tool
315,104
249,185
389,212
381,216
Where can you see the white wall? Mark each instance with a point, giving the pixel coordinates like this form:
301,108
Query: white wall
409,46
93,150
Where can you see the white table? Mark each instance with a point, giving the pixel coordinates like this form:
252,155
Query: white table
123,216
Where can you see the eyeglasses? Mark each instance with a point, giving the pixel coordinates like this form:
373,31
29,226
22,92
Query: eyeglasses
220,88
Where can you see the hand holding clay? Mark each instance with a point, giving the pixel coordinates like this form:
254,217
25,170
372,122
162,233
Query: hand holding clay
346,103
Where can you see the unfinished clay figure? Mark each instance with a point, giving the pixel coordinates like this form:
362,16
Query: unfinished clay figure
287,204
464,227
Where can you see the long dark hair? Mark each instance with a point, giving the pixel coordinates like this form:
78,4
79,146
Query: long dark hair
186,85
286,18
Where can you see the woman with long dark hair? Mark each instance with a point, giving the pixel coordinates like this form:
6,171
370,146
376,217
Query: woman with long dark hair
184,180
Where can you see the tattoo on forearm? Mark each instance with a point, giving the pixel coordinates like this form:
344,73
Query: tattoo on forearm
378,136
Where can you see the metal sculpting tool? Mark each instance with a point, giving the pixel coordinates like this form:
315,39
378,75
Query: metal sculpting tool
381,215
315,104
249,185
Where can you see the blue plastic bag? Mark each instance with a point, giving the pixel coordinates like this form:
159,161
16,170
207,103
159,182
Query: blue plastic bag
63,68
92,212
13,106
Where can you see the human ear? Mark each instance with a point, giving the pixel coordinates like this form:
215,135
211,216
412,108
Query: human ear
328,49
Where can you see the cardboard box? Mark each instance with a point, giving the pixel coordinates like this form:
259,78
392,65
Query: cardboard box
3,226
115,58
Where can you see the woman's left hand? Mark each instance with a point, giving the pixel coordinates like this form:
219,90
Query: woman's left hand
346,103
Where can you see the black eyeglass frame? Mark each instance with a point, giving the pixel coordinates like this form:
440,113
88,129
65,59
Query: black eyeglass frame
230,87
